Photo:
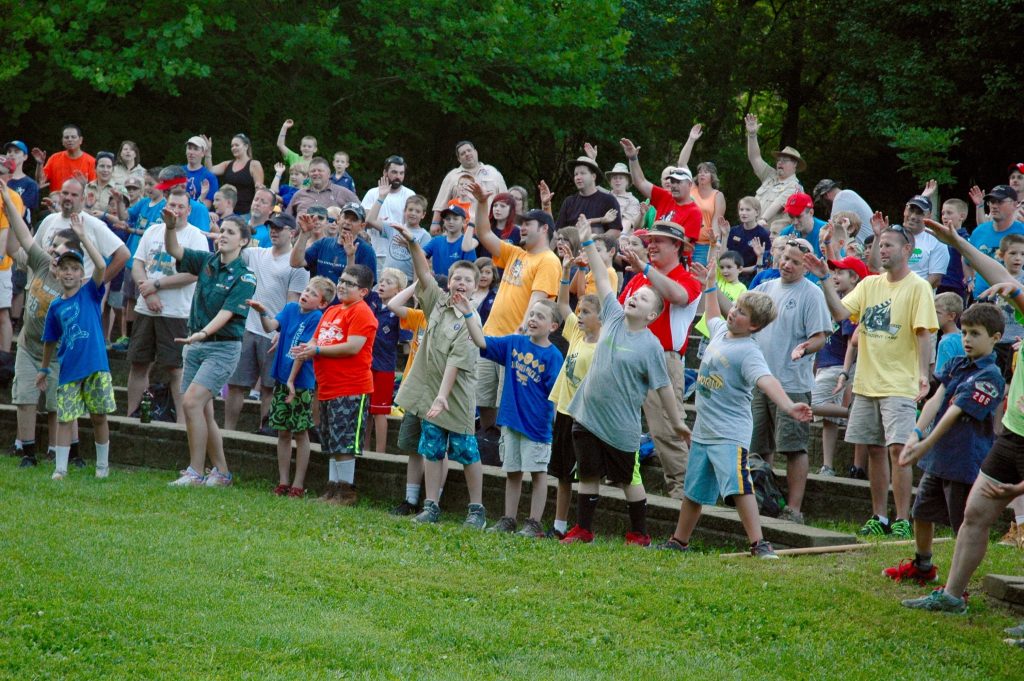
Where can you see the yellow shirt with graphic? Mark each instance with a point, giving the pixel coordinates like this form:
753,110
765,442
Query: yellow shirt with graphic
524,274
889,313
576,364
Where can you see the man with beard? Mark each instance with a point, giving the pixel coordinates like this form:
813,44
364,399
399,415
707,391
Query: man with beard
63,165
392,206
673,205
486,176
589,200
320,192
778,183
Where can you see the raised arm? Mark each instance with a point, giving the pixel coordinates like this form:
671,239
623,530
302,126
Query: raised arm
465,306
373,215
819,268
564,308
397,304
635,173
420,266
99,265
171,244
753,148
307,223
990,269
18,226
684,154
275,184
281,146
604,286
484,234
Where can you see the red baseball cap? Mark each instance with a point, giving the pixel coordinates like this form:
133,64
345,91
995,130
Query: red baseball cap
798,203
850,263
1015,168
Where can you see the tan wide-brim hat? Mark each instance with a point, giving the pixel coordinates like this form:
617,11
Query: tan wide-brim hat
618,169
801,165
585,161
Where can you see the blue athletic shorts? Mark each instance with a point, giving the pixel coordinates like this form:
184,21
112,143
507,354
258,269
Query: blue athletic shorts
716,470
436,443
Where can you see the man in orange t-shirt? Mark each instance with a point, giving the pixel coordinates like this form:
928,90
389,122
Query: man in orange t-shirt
342,352
63,165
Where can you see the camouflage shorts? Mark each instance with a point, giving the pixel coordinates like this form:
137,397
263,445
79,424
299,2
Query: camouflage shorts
94,394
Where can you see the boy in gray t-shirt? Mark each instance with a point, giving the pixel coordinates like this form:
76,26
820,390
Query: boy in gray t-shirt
628,363
730,369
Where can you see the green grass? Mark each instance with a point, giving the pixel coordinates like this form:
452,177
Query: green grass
127,578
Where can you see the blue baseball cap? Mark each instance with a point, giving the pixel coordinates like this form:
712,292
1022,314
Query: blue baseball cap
71,253
18,144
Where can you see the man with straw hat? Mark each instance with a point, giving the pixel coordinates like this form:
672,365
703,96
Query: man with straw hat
778,183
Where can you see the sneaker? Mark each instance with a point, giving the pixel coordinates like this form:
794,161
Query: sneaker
763,549
938,601
792,516
875,527
908,569
552,533
901,529
51,454
296,492
827,471
1017,631
59,475
77,462
405,508
218,479
15,450
430,514
189,478
28,462
346,495
857,473
282,489
637,539
103,472
254,395
1014,537
476,517
672,544
1015,642
330,492
577,535
531,529
505,525
121,344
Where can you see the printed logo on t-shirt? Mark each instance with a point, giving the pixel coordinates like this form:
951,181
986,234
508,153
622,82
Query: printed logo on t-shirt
879,318
527,367
514,274
73,332
570,369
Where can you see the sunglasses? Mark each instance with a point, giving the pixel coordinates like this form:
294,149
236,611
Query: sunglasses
899,230
331,220
796,244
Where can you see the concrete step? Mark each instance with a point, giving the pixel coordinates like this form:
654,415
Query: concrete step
1007,589
381,477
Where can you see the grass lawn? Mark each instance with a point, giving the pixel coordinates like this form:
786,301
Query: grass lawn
130,579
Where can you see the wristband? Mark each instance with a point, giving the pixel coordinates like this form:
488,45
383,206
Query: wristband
316,349
647,268
711,290
827,277
564,282
1016,292
44,370
918,433
845,375
380,201
588,242
631,159
264,313
468,315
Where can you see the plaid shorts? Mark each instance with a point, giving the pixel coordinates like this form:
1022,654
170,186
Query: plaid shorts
296,416
343,424
94,394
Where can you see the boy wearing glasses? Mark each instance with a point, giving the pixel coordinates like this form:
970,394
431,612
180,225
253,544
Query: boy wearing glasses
342,352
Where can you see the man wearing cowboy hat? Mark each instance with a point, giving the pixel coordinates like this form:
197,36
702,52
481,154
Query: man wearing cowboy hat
778,183
589,200
629,206
670,205
666,242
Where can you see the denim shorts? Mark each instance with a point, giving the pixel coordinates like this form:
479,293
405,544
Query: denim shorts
210,364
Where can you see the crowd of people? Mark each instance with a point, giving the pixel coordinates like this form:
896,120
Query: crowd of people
547,337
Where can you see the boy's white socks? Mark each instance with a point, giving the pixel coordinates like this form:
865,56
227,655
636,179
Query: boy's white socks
62,454
412,494
347,471
102,459
332,471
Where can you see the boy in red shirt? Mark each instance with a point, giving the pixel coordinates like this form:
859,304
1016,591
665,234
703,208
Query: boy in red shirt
342,352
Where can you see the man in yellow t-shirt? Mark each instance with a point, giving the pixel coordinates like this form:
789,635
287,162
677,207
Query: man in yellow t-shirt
896,313
531,272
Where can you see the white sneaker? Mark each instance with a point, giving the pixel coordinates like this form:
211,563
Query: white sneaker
217,479
59,475
103,472
189,478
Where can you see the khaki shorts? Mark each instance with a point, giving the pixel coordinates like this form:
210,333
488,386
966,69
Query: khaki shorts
825,381
521,454
881,421
24,390
774,429
6,288
490,378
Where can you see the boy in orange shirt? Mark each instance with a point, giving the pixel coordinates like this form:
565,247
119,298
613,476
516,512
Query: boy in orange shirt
342,352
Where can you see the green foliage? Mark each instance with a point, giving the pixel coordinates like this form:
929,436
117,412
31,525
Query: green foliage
925,152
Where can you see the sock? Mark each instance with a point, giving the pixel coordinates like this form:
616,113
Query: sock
923,560
1020,521
412,494
884,519
62,458
18,444
74,450
638,516
28,448
585,515
332,470
102,455
562,526
440,491
347,471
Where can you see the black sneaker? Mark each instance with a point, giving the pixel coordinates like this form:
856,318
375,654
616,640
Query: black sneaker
28,462
15,450
51,454
405,508
77,462
857,473
552,533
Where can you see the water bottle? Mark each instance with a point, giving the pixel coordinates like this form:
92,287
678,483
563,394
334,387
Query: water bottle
146,407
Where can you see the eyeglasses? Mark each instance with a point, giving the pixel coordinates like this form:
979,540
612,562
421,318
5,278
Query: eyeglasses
348,283
796,244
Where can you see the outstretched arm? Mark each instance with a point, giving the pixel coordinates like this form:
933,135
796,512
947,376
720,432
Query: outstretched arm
171,244
484,234
989,268
635,173
687,150
398,303
465,306
819,268
99,265
604,286
771,387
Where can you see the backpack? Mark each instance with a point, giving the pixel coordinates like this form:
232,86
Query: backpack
770,501
163,403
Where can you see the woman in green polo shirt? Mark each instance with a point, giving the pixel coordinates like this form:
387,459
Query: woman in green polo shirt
216,323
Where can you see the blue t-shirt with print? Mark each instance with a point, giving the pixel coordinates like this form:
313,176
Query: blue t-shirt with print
194,183
443,253
385,344
296,328
28,190
986,239
76,323
261,236
140,216
327,258
530,374
833,353
976,387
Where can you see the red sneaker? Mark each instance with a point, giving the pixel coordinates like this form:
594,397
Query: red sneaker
907,569
637,539
577,535
296,491
282,490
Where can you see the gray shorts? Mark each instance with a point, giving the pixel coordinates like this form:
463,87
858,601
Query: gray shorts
881,421
409,432
490,377
255,363
825,381
6,287
774,429
210,364
23,388
521,454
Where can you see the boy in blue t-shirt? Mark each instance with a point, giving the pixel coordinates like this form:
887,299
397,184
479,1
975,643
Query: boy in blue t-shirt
385,353
954,433
445,249
291,406
532,365
84,385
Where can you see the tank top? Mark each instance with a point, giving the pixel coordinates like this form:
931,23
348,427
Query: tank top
707,214
243,182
